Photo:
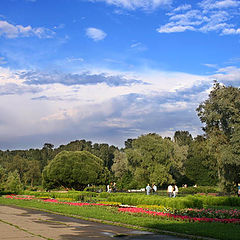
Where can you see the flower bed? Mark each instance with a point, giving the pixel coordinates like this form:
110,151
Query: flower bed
178,217
22,197
189,215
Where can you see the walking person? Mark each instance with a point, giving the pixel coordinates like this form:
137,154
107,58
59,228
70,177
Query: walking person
238,192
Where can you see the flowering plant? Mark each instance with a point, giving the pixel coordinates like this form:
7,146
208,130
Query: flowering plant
210,213
178,217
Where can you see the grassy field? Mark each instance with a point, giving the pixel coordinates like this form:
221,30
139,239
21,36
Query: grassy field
215,230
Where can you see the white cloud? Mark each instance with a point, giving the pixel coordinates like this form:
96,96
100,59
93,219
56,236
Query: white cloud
230,31
95,34
183,8
100,111
9,30
211,16
135,4
228,74
170,28
218,4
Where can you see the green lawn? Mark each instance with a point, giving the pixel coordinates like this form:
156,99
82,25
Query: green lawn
214,230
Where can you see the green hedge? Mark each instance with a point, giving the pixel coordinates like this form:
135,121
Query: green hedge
137,199
200,189
220,201
73,195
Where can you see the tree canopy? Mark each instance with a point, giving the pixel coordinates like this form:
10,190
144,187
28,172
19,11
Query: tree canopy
74,170
221,115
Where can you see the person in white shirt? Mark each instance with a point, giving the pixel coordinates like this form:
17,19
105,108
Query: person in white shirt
170,190
154,187
148,188
175,191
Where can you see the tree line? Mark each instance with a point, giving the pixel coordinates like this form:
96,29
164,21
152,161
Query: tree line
210,159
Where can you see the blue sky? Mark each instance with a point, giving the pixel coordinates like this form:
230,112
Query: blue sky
108,70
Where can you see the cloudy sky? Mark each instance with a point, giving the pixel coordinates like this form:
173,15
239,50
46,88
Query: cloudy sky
108,70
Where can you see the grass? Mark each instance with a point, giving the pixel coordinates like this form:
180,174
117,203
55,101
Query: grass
214,230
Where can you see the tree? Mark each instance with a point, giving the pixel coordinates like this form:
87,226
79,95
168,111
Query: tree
74,170
182,138
220,114
33,173
154,159
120,164
201,164
13,183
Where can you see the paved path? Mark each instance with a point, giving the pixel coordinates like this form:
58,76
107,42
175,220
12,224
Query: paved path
27,224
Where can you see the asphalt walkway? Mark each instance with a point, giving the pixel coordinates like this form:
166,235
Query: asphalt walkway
23,224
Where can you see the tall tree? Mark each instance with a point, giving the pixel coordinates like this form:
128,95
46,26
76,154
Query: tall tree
154,159
220,114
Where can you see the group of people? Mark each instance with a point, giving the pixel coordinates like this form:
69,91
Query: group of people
150,189
172,190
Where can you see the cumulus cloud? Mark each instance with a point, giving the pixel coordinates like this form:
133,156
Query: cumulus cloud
105,106
9,30
98,109
95,34
211,15
228,74
135,4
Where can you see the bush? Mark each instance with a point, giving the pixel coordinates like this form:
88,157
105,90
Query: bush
220,201
137,199
200,189
98,189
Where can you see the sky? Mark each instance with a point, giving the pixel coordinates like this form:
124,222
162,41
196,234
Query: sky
109,70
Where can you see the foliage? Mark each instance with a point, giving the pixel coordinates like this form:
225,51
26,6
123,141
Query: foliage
201,164
221,116
199,189
182,138
153,159
74,170
13,183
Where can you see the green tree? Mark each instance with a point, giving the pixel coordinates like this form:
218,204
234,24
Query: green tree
13,183
120,164
201,166
220,114
182,138
33,174
154,159
74,170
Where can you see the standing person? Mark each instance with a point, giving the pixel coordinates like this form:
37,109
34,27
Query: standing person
238,192
170,190
108,188
154,187
148,188
175,191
